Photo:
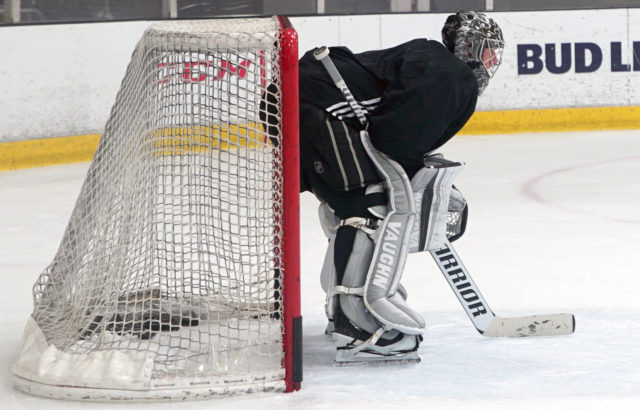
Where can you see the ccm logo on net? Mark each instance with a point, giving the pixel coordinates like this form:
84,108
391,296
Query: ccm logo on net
208,70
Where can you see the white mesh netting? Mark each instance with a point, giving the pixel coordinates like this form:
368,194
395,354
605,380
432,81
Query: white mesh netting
167,276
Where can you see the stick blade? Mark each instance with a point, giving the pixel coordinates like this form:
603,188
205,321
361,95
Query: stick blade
538,325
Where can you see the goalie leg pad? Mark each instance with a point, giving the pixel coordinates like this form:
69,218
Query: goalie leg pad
343,276
355,276
345,273
432,188
391,248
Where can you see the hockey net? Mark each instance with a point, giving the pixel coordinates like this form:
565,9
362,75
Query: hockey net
177,274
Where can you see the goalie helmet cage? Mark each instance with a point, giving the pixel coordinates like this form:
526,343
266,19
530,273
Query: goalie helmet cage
178,273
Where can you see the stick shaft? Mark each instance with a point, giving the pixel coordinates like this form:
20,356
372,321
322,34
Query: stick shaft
322,54
463,286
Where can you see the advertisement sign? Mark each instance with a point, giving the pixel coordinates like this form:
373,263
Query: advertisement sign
552,59
563,59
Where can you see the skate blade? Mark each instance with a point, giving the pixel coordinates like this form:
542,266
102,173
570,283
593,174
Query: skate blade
374,363
345,358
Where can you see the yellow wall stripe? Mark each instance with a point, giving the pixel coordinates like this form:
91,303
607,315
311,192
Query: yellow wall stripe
47,151
553,120
50,151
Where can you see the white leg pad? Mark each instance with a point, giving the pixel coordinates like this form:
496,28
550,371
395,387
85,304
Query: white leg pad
392,245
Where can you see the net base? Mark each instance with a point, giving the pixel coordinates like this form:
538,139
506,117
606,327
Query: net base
250,385
45,371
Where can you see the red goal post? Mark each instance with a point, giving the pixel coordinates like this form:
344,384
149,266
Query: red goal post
291,165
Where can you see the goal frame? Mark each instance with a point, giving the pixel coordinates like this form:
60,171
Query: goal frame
288,273
292,337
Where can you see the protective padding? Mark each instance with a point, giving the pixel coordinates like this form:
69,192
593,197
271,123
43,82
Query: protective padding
349,293
355,276
392,245
328,279
432,190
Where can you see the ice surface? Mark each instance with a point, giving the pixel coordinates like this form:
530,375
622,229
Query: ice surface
554,227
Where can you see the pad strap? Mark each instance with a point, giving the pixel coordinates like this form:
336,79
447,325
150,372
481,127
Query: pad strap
345,290
366,224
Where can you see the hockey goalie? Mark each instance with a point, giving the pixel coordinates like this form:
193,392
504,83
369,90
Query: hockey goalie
370,125
369,157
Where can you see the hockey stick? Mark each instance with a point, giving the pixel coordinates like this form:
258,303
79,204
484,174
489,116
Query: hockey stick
322,54
485,321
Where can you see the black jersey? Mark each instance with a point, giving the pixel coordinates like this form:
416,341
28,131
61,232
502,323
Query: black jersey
418,95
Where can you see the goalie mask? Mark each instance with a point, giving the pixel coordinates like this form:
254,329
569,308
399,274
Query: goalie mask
477,40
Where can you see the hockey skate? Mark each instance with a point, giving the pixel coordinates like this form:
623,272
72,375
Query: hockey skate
350,351
357,347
